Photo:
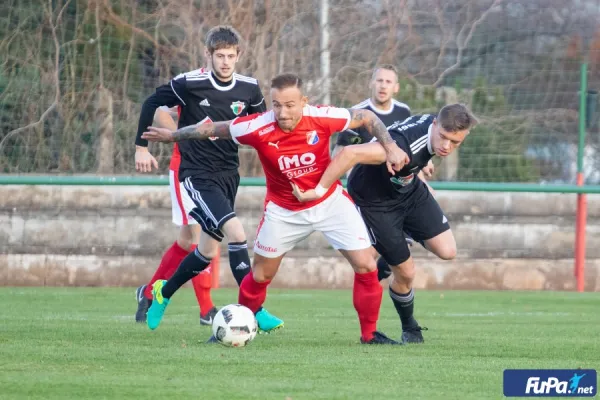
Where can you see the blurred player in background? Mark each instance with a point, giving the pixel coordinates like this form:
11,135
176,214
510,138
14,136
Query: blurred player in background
204,176
392,205
384,86
292,142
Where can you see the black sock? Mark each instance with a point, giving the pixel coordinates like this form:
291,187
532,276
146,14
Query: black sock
404,304
192,265
383,269
239,260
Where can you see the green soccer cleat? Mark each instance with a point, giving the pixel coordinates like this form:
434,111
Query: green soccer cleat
266,322
159,304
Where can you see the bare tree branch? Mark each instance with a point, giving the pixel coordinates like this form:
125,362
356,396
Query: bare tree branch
465,42
56,101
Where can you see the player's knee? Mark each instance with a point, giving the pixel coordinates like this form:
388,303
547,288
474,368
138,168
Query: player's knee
185,242
405,272
447,252
365,265
208,248
186,238
234,230
261,274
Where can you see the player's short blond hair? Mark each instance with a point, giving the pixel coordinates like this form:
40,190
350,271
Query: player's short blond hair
222,37
388,67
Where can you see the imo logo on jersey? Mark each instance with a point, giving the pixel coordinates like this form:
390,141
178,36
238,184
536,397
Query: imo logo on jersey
312,138
237,107
297,165
550,383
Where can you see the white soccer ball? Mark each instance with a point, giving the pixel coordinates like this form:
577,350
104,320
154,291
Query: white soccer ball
234,326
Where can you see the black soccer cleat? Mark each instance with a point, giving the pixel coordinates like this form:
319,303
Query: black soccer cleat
413,335
379,338
207,319
143,305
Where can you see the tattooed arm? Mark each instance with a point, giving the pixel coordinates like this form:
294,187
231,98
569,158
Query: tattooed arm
396,158
371,123
193,132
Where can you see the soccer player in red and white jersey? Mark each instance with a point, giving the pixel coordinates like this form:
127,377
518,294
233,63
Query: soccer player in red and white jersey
292,142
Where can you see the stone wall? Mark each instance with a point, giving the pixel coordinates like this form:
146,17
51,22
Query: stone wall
107,235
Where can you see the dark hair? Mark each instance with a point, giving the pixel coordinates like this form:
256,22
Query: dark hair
456,117
389,67
285,81
222,37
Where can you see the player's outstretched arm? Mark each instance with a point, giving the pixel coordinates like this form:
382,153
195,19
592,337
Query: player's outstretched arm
199,131
396,157
346,159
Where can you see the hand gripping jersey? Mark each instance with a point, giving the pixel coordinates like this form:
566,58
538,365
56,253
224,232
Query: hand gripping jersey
372,185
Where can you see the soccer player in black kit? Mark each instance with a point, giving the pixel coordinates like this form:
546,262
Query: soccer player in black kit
209,169
393,204
384,86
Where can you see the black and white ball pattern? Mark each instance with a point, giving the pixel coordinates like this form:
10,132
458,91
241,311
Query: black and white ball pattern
234,326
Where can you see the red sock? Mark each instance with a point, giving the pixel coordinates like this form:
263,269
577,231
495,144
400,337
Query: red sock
253,294
366,296
168,265
202,284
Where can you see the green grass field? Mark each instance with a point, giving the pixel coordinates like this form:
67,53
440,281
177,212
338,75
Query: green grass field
62,343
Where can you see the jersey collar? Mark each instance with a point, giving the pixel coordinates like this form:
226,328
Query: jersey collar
216,85
379,110
429,149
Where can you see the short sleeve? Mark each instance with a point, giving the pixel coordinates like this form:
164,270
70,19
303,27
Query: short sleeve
330,119
257,103
178,86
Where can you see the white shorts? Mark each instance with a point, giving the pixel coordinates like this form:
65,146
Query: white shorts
181,203
337,218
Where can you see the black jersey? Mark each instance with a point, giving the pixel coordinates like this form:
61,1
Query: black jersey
373,186
203,98
397,113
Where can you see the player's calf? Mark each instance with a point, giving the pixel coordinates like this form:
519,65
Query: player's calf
253,291
402,295
239,260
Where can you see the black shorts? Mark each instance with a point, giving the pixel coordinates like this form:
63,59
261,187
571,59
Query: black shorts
422,220
214,197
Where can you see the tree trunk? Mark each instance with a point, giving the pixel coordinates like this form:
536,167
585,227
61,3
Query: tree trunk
449,172
106,142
